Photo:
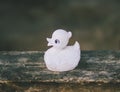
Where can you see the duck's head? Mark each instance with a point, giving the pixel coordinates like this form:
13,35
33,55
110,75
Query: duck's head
60,39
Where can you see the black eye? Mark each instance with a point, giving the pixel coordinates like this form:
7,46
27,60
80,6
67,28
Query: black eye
57,41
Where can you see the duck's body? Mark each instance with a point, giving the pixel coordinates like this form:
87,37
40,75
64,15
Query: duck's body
62,60
61,57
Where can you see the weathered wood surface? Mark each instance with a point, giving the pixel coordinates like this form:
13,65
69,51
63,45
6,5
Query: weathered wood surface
94,67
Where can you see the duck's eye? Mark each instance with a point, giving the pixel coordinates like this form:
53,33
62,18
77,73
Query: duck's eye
57,41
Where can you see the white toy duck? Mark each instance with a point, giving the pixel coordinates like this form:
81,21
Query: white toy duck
61,57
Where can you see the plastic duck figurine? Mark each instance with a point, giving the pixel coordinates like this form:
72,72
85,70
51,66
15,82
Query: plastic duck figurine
61,57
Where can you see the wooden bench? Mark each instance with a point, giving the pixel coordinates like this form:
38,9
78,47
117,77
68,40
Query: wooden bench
25,71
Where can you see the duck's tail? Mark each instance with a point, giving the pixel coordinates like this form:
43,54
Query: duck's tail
77,45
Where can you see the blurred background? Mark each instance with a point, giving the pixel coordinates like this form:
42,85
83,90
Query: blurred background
25,24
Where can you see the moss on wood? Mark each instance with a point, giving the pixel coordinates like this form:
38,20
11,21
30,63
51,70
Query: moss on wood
95,66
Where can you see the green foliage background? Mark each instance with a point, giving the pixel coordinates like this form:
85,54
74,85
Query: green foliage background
25,24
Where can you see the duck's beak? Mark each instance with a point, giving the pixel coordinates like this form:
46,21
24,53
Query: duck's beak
49,42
